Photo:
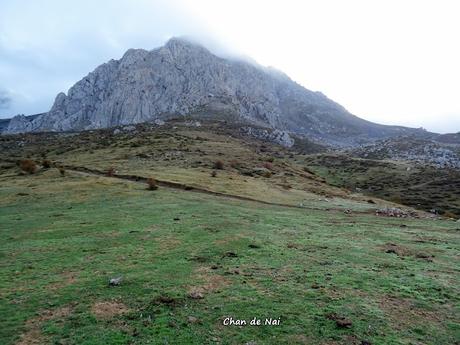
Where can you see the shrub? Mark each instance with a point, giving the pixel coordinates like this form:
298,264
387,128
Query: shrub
46,164
219,165
62,171
268,165
152,184
449,214
235,164
270,159
110,172
267,174
306,169
214,173
28,166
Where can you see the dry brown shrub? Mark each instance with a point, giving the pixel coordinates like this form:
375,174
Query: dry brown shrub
28,166
449,214
268,165
46,164
219,165
152,184
110,172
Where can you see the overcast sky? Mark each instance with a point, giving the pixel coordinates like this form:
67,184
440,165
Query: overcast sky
392,62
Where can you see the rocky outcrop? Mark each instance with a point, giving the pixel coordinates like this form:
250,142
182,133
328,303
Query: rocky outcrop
19,124
183,78
427,150
279,137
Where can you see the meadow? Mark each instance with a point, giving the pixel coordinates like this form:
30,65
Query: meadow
189,260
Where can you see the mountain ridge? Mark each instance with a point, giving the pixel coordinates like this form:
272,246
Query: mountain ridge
183,78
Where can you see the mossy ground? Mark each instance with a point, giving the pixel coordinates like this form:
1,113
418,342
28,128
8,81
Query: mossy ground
63,238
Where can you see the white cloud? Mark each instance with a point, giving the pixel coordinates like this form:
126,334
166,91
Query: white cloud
393,62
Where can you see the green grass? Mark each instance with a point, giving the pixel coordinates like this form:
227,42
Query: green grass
60,244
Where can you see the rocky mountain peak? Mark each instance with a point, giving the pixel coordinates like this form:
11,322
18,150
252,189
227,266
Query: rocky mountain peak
183,77
179,45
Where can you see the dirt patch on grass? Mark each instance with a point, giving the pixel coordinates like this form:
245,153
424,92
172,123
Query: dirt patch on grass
401,251
300,339
108,234
66,279
167,243
403,313
229,239
211,282
31,337
33,334
108,309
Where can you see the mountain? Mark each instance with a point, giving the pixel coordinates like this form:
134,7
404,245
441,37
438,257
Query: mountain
183,78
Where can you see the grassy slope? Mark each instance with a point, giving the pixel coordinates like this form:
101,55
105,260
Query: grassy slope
186,155
62,238
420,186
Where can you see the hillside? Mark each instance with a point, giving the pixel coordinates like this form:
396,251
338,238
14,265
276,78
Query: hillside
442,151
185,152
264,234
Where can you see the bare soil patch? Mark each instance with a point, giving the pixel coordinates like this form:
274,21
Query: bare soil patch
210,282
108,309
33,334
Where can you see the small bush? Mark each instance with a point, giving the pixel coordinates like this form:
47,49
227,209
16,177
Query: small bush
449,214
267,174
219,165
46,164
268,165
28,166
62,171
235,164
306,169
214,173
110,172
152,184
270,159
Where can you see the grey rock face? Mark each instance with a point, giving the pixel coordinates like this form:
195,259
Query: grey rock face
19,124
182,78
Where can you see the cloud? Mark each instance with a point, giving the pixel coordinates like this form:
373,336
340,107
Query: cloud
46,47
381,61
5,100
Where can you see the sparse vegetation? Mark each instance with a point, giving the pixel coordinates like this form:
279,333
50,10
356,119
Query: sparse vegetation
110,172
449,214
214,173
235,164
268,165
421,186
28,166
61,171
152,184
267,174
219,165
46,164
